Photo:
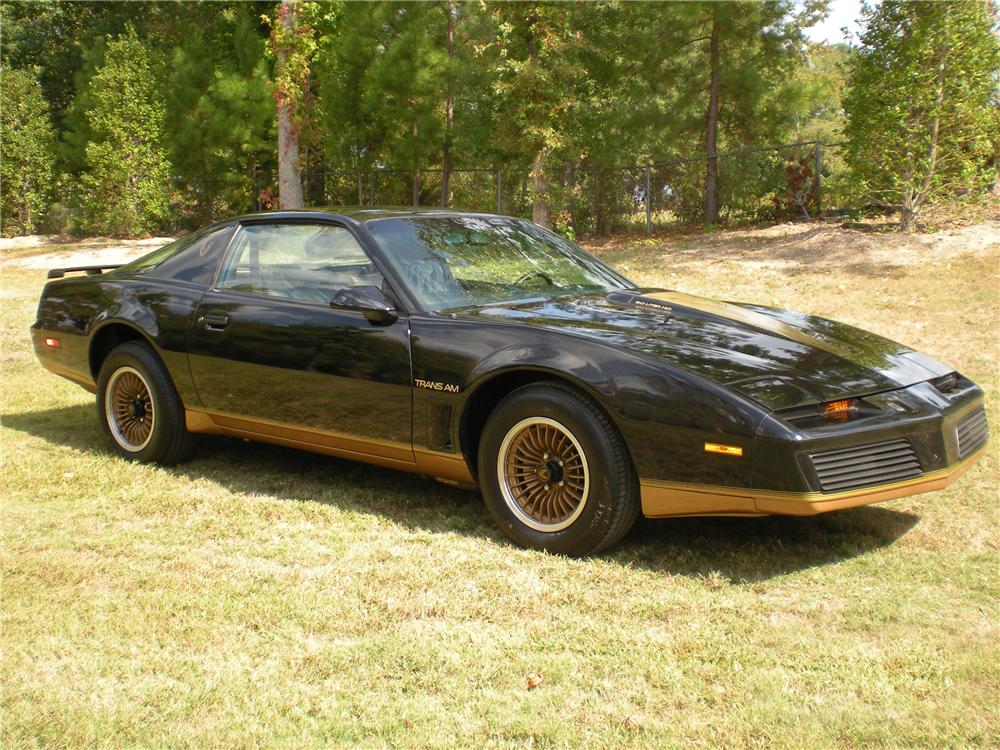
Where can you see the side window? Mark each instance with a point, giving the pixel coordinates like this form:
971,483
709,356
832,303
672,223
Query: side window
306,262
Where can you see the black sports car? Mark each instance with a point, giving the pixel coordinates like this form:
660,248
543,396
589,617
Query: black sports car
485,350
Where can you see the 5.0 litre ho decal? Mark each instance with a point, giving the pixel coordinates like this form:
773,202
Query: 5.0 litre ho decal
436,385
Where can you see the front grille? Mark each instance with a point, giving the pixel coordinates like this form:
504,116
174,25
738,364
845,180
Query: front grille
972,432
866,465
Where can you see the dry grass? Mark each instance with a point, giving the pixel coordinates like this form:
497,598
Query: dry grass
261,596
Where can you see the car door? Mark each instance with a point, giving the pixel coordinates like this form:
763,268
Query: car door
269,356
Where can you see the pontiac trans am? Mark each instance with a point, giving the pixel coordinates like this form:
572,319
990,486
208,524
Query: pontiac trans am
486,351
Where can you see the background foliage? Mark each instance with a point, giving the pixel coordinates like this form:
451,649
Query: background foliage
922,106
557,107
27,142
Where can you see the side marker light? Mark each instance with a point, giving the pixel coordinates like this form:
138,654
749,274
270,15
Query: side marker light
725,450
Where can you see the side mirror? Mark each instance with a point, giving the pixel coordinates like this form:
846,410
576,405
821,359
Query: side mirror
368,300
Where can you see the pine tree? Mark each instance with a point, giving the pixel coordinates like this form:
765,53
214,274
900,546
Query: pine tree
352,136
384,82
27,153
922,120
408,77
220,112
127,178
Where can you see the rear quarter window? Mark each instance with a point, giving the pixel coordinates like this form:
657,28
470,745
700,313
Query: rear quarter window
197,261
155,258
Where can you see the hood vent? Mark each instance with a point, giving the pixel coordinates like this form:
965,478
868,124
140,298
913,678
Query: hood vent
866,465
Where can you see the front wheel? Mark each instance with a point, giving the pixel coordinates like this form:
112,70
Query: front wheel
555,472
139,409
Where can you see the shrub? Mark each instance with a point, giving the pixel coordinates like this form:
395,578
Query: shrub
27,140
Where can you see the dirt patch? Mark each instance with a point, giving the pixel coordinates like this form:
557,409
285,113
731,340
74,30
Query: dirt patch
52,251
809,247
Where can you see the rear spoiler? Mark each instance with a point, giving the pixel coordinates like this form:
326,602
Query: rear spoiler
58,273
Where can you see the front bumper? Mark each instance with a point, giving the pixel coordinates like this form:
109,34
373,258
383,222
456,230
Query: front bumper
666,499
929,442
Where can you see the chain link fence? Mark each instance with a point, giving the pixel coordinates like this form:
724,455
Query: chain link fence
771,183
774,183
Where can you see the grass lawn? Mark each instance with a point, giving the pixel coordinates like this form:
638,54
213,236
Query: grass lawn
262,596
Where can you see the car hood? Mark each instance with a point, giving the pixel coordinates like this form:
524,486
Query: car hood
780,359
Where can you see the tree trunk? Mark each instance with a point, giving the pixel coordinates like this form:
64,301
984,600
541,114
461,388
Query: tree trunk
540,213
907,208
289,175
569,185
907,215
712,130
415,177
913,203
449,106
600,205
445,176
25,207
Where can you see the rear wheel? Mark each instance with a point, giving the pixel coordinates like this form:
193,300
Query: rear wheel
555,472
138,406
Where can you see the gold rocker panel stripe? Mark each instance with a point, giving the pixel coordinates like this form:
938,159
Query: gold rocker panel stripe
665,499
450,467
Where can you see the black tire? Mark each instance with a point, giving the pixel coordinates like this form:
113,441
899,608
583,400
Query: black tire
573,520
154,430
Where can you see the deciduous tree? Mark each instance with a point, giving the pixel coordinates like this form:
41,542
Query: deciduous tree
921,108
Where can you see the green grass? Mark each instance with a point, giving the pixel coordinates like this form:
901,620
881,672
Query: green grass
262,596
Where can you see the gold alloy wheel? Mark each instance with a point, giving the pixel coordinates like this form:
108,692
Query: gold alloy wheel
128,406
543,473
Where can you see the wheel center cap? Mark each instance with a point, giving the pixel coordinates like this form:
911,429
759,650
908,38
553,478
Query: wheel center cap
549,472
136,409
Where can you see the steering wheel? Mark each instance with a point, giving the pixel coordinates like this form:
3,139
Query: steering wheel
519,281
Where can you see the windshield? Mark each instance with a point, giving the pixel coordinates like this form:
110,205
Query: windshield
457,261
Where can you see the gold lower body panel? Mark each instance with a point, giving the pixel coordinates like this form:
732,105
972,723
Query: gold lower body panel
659,499
671,499
447,467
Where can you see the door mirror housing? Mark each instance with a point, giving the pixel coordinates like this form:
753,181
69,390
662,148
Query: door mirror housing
368,300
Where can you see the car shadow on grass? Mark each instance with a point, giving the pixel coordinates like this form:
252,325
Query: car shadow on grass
731,549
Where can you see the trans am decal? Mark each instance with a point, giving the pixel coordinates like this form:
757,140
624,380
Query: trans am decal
436,385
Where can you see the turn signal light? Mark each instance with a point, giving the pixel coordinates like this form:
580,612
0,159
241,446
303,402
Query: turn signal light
52,343
841,411
945,383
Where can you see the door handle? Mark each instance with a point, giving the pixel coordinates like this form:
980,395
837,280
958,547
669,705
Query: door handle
214,322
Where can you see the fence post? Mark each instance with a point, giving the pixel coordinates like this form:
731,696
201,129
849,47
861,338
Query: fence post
649,205
817,177
371,187
499,182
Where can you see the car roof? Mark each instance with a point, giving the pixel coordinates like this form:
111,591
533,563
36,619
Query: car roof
360,214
